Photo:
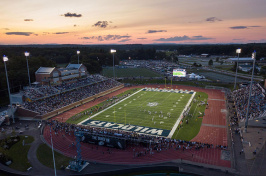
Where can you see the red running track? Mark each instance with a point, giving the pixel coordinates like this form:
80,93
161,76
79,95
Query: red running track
213,131
62,143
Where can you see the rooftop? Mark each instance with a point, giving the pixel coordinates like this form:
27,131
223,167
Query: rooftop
45,70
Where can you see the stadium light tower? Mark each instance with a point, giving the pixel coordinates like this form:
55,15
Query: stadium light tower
113,51
238,51
27,55
5,59
78,52
250,89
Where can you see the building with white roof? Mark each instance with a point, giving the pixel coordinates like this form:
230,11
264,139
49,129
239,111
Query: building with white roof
241,59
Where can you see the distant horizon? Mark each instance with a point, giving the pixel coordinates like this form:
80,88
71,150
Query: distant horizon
105,22
134,44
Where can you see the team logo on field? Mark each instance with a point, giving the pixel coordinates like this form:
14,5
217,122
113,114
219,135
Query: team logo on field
124,127
152,104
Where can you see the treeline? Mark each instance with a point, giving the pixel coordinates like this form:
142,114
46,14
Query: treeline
96,56
93,57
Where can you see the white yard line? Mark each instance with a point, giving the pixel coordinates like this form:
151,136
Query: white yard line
142,104
109,107
180,117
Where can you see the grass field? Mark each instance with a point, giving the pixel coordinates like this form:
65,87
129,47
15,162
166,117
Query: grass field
129,72
190,130
19,153
78,118
147,108
44,155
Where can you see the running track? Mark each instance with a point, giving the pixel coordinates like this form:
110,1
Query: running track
213,131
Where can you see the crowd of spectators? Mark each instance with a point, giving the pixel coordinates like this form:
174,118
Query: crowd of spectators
57,101
257,101
38,92
155,143
32,93
48,90
73,84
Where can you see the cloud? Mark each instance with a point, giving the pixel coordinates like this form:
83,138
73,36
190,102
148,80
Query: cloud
61,33
142,38
238,27
6,29
255,26
101,24
213,19
115,37
125,40
237,39
107,37
19,33
182,38
45,33
258,41
68,14
155,31
75,25
244,27
176,38
200,37
28,19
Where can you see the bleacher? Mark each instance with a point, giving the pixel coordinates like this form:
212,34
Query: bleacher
44,99
257,107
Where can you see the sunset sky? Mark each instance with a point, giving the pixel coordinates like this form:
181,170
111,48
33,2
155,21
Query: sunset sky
132,22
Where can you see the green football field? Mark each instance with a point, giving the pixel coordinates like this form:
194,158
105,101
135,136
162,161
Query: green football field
152,109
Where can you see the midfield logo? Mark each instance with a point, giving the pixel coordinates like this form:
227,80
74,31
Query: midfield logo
152,104
127,127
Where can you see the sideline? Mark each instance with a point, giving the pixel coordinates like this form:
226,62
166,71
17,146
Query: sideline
108,107
180,117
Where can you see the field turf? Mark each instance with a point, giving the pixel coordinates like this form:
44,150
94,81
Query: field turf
147,108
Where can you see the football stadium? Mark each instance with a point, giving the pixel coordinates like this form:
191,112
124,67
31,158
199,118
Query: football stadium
86,124
82,122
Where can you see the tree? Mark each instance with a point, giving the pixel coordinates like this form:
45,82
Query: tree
210,62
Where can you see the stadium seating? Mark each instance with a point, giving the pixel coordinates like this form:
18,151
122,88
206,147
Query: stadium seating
45,99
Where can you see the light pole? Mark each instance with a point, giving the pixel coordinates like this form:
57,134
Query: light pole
78,52
5,59
238,51
113,51
27,54
250,89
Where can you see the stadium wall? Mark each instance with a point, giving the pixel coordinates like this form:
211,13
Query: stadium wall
26,113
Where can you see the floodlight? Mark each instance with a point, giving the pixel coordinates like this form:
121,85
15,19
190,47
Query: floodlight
238,51
5,58
113,51
27,54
